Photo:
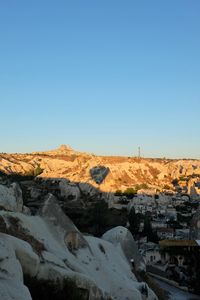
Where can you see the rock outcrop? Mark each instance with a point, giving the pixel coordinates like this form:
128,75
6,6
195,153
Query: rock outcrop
49,246
195,225
11,272
11,197
121,237
69,190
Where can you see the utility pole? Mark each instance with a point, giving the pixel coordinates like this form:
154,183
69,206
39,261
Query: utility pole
139,153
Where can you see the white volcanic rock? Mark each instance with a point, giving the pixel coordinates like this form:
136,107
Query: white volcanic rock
11,197
11,275
88,190
122,238
26,210
64,148
28,259
95,264
69,189
193,191
11,289
61,225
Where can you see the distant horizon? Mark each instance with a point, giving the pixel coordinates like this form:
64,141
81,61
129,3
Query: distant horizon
105,76
100,153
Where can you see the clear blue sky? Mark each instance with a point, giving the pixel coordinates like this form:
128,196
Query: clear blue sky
104,76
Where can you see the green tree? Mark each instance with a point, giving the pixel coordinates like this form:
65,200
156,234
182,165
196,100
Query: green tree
38,171
118,193
129,193
134,221
148,231
98,216
175,182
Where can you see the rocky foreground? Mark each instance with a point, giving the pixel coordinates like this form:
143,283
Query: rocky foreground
48,246
39,244
116,173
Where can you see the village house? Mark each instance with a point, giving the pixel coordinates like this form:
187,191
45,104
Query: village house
165,233
152,255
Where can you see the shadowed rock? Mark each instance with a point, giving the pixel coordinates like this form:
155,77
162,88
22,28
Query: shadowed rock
54,215
11,197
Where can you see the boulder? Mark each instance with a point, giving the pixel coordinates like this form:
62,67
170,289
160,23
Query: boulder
11,197
11,275
88,190
121,236
69,190
28,259
60,223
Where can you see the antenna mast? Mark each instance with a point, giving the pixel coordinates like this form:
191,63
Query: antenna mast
139,152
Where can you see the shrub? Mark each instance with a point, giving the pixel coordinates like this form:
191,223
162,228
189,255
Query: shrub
166,187
183,178
118,193
142,186
134,221
175,182
38,171
129,192
99,216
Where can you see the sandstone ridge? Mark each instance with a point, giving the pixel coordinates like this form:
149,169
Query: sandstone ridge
123,172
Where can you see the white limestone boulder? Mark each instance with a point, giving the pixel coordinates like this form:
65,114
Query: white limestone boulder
11,197
69,190
11,275
88,190
28,259
122,238
61,225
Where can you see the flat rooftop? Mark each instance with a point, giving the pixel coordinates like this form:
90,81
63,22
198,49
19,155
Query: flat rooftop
179,243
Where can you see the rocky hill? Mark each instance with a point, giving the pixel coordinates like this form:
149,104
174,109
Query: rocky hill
110,172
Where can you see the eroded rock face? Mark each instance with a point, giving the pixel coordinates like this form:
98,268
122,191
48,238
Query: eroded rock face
56,249
195,225
55,217
193,190
11,197
83,167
